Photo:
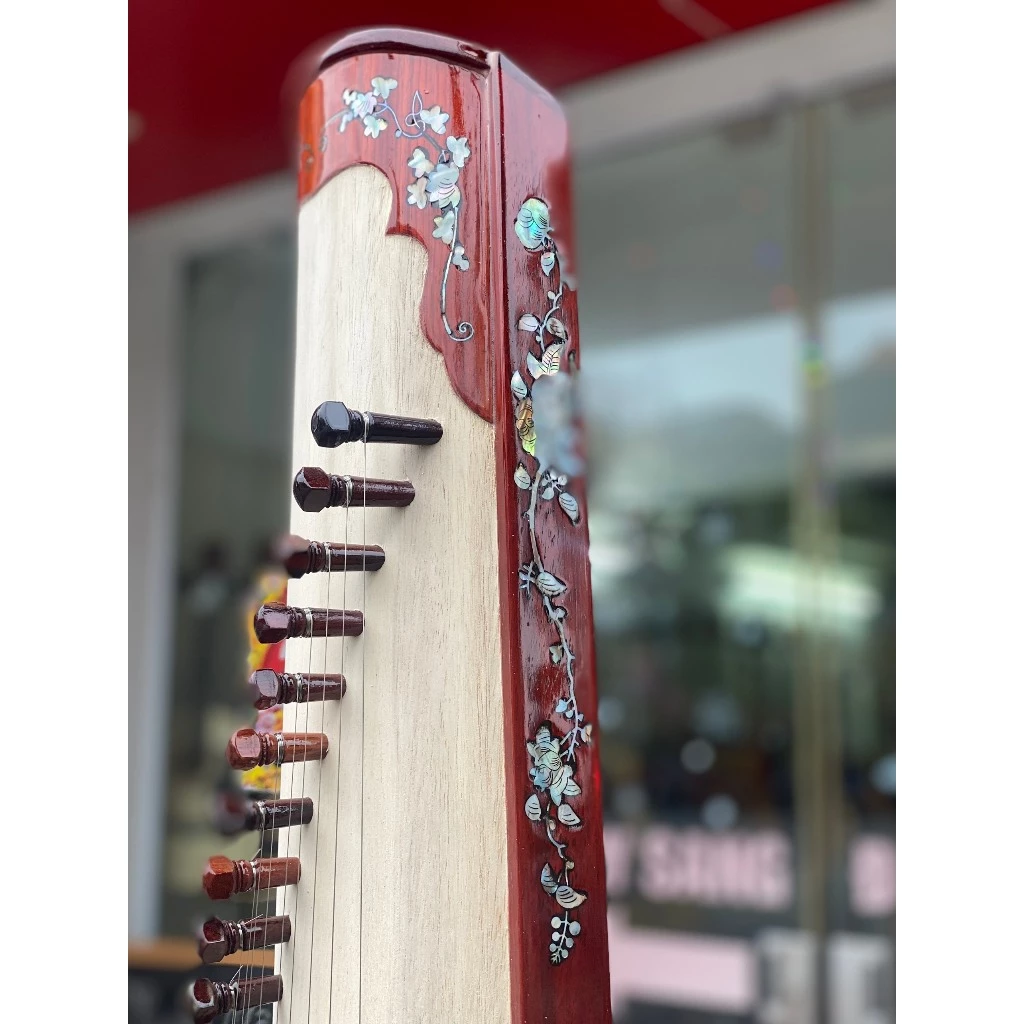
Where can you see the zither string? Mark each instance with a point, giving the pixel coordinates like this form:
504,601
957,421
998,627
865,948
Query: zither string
337,810
362,746
298,828
254,910
244,972
250,968
337,754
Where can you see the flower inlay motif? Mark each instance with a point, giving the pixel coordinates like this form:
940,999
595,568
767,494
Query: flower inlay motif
436,168
544,419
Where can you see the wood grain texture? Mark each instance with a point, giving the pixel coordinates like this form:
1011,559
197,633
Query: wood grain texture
402,910
224,877
248,748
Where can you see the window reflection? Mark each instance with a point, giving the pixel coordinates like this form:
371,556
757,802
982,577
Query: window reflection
742,510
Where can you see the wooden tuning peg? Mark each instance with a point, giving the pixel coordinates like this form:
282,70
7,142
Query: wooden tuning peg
236,813
217,939
315,489
231,811
299,556
334,423
212,998
274,622
223,877
248,748
270,688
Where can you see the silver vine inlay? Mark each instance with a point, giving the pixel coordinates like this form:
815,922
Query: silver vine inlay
436,167
545,426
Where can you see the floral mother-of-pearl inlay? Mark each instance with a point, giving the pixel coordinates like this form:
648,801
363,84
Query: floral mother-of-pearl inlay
544,420
436,167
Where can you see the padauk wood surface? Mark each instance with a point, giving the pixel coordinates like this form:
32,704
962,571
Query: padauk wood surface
223,877
576,989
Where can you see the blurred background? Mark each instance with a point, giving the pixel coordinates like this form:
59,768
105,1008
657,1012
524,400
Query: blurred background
734,168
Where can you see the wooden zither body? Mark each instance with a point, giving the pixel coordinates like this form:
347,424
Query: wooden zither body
452,866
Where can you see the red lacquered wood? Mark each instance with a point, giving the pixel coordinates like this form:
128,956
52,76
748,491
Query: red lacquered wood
275,622
299,556
408,43
217,938
536,165
248,748
223,877
212,998
461,88
269,688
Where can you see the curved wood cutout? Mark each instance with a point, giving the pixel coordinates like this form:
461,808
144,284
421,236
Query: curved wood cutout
422,124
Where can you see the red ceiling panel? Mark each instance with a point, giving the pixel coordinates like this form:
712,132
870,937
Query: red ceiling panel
206,77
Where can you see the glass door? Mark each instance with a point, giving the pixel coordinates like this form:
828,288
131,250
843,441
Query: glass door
737,288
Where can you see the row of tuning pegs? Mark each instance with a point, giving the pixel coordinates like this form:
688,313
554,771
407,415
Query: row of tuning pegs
314,489
334,424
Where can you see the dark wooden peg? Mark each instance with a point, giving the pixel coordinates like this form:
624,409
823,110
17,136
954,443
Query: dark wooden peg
212,998
299,556
236,813
315,489
230,810
334,423
223,877
270,688
248,748
274,622
218,939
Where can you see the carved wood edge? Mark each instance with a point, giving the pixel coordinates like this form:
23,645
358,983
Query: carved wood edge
420,121
408,41
557,894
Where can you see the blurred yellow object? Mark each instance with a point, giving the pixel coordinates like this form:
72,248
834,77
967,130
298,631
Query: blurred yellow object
272,586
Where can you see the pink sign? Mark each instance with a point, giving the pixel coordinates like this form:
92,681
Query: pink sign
748,870
872,876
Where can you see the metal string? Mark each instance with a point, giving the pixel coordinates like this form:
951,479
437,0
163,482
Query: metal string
337,825
254,910
234,979
300,828
337,797
250,967
362,741
276,851
320,778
